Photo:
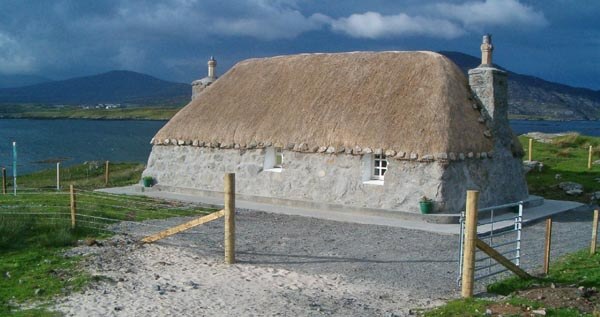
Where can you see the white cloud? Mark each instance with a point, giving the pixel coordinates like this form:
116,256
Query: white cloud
492,13
442,20
13,58
374,25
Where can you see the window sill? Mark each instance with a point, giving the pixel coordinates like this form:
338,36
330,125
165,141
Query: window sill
374,182
274,170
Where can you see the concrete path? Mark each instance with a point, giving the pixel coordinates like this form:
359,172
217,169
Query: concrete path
550,207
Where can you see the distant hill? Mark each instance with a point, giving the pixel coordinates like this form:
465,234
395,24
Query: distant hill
110,87
534,97
9,81
529,96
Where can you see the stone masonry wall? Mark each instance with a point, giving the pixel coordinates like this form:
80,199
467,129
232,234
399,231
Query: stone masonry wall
329,178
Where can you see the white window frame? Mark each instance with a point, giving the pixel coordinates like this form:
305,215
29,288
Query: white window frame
273,159
369,163
379,167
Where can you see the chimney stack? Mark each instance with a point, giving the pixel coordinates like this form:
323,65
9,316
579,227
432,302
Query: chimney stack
199,85
486,51
212,65
489,85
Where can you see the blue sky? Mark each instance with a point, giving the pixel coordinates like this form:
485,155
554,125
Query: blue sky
558,40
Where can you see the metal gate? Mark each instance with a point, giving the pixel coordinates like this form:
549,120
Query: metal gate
500,227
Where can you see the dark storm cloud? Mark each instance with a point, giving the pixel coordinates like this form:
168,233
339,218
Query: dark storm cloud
173,38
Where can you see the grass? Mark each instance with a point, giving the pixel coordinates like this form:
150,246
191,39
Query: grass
28,111
568,157
579,269
84,176
35,231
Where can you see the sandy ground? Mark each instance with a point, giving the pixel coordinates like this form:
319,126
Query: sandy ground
288,266
157,280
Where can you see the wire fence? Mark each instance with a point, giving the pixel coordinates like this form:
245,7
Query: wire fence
94,212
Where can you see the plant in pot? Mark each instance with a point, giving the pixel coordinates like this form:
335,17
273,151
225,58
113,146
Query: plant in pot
426,205
148,181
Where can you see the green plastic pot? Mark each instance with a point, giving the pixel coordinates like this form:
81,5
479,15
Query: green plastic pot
426,206
147,181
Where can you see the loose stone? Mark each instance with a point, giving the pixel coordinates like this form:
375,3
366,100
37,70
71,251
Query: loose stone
427,157
414,156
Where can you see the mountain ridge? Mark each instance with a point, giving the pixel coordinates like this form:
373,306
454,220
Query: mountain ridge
529,96
534,97
117,86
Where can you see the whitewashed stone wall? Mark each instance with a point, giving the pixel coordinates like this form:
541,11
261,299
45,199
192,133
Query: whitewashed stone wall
335,179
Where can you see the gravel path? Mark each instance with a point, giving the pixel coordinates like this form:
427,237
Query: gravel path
326,267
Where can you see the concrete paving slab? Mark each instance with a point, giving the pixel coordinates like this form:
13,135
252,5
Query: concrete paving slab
548,208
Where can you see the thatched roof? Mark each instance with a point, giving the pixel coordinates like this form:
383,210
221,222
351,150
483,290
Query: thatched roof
413,102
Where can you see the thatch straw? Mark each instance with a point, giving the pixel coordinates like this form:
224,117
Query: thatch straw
414,102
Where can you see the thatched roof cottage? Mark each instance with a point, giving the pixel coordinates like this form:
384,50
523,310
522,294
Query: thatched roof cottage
371,130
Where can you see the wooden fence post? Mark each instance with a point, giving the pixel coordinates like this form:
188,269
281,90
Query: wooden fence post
530,149
590,158
594,233
547,246
229,218
4,181
57,175
469,243
106,173
73,206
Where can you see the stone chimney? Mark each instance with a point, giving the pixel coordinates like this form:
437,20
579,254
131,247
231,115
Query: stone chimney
199,85
489,85
212,65
486,51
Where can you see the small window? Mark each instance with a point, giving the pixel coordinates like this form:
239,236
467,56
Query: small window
273,159
379,166
373,168
278,158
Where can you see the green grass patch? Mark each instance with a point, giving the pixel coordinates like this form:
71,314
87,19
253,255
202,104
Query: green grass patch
35,229
90,175
567,157
460,307
579,268
35,111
